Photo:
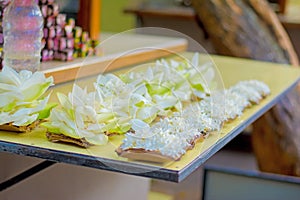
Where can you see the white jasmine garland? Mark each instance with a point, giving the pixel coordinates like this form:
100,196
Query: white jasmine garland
173,135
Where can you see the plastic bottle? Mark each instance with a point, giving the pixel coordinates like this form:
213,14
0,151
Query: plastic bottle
23,32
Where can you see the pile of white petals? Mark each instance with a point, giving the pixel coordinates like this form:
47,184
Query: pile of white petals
173,135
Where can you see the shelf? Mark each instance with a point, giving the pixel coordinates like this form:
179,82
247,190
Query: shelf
119,50
279,78
291,18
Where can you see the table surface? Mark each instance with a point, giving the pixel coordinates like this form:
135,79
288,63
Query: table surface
279,78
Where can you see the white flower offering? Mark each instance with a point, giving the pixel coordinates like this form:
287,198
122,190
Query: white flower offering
172,136
76,120
22,105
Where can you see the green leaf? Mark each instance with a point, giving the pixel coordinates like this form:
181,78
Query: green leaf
50,127
104,117
198,87
45,113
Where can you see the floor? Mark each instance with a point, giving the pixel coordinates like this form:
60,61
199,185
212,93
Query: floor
191,187
231,155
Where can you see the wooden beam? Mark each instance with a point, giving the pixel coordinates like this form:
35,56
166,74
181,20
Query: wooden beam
246,28
83,14
95,18
282,6
251,29
89,17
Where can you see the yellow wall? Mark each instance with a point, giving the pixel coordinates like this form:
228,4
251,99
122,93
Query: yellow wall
112,17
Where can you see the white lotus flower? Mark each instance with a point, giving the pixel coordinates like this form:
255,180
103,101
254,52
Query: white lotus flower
20,96
77,118
142,96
